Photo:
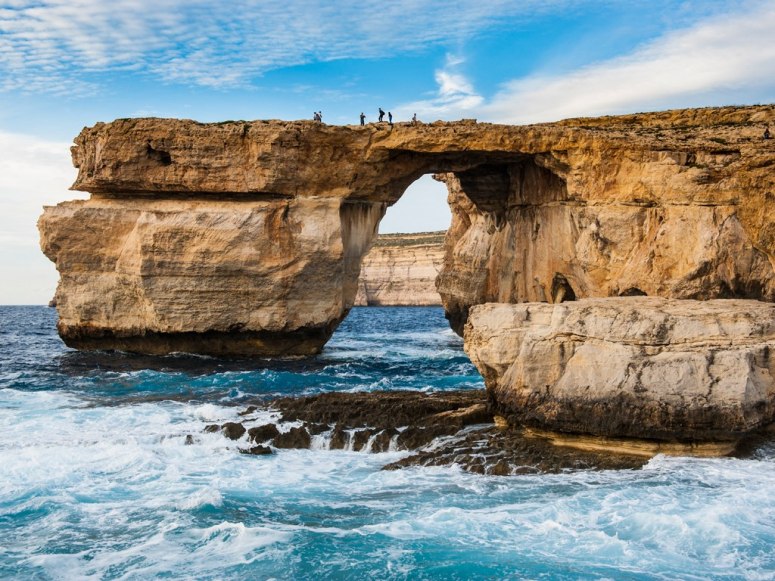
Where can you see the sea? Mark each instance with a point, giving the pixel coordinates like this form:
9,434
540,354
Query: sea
97,482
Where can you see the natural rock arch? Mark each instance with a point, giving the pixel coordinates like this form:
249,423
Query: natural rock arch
246,238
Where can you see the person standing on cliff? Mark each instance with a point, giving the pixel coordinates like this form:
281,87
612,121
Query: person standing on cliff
363,119
414,119
381,115
390,118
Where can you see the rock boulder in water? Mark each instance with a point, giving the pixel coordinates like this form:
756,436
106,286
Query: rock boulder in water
233,430
262,433
635,367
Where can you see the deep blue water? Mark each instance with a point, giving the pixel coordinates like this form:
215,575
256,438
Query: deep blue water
96,481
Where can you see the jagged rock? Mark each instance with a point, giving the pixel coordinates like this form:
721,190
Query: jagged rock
247,238
635,367
317,428
401,270
360,438
294,438
383,439
339,438
212,428
233,430
262,433
414,437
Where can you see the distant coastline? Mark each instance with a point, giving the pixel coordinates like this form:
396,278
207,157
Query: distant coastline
401,270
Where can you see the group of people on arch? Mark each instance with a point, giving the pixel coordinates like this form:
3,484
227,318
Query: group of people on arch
318,116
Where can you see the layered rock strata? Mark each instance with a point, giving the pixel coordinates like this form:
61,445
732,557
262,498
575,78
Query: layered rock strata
401,270
678,371
247,237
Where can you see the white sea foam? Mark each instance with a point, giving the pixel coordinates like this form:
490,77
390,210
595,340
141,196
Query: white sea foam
123,477
95,486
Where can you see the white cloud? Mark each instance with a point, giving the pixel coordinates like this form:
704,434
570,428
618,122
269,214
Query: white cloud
720,60
33,173
455,97
49,42
732,56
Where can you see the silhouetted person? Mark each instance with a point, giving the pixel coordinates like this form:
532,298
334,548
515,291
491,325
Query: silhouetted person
363,119
414,119
390,118
316,116
381,115
766,133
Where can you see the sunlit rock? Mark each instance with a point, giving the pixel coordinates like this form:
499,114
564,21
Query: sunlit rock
246,238
671,370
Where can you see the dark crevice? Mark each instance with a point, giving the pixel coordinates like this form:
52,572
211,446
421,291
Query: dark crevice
158,155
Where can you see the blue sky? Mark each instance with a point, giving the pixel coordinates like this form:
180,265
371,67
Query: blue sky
65,64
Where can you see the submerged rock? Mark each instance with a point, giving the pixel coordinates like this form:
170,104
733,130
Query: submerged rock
257,451
499,452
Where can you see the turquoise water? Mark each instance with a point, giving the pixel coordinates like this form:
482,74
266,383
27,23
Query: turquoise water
96,481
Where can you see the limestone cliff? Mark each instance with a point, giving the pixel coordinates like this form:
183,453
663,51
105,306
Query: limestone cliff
247,237
642,367
401,270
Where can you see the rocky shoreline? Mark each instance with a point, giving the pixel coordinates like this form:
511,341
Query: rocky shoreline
436,429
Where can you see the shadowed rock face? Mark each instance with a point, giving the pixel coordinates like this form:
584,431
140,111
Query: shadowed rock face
247,237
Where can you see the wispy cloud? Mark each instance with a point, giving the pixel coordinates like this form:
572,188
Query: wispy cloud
730,56
721,59
455,95
47,43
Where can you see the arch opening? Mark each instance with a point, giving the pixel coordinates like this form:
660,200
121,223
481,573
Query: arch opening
401,267
501,244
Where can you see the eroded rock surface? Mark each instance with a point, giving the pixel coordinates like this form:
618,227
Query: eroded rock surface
634,367
247,238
